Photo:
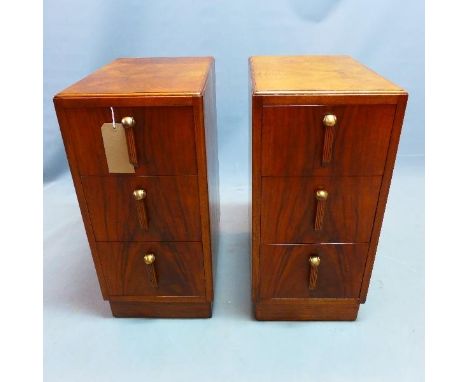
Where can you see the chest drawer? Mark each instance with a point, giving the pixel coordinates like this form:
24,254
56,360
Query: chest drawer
297,141
155,208
312,271
292,211
169,269
164,139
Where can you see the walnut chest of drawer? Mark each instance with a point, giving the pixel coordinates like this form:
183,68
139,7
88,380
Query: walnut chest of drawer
151,224
325,132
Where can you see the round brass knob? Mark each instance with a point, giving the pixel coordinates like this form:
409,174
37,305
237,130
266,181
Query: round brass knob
139,194
314,261
149,258
321,195
128,122
329,120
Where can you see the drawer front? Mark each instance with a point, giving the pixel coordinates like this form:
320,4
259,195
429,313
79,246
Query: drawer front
164,139
170,208
292,213
286,270
176,270
295,140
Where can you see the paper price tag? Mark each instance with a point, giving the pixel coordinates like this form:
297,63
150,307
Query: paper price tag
115,147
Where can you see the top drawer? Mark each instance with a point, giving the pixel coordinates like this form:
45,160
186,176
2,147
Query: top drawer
164,139
296,140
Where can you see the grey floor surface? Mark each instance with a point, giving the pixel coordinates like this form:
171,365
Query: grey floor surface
82,342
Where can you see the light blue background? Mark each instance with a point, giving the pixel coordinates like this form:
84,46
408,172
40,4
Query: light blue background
80,36
81,340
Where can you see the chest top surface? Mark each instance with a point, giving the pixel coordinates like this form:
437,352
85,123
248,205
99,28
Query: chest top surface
316,74
144,76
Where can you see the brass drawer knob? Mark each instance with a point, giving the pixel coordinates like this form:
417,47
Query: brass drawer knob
129,123
329,120
139,194
321,195
314,262
149,258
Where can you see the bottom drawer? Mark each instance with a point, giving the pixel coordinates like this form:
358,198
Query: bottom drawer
312,271
169,269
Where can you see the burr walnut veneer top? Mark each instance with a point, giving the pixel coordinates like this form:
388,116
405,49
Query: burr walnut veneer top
144,76
316,74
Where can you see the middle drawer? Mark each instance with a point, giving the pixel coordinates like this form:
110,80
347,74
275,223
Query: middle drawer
153,208
318,209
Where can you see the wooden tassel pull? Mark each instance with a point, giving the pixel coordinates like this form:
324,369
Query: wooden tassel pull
329,122
149,260
129,123
321,196
139,196
314,262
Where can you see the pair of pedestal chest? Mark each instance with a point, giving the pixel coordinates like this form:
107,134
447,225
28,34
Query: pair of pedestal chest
140,136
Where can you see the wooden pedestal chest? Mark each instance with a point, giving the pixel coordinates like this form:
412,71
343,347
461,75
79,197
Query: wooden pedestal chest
140,137
325,131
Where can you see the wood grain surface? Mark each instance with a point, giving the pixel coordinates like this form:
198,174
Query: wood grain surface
164,139
294,156
178,266
285,270
317,309
161,310
293,140
289,208
137,77
171,203
316,74
173,104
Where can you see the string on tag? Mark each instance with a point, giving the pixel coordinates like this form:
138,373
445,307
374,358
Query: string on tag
113,117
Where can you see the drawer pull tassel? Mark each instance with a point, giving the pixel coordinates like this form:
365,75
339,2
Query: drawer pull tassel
129,123
149,260
329,122
314,262
321,196
140,196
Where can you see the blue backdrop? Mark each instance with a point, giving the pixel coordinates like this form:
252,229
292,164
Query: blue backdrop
82,342
80,36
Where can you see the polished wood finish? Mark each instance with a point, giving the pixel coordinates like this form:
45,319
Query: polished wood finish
158,310
355,132
152,273
289,209
171,206
131,146
328,143
320,213
178,268
286,270
314,310
137,77
296,154
172,101
142,214
164,139
206,136
384,190
316,74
